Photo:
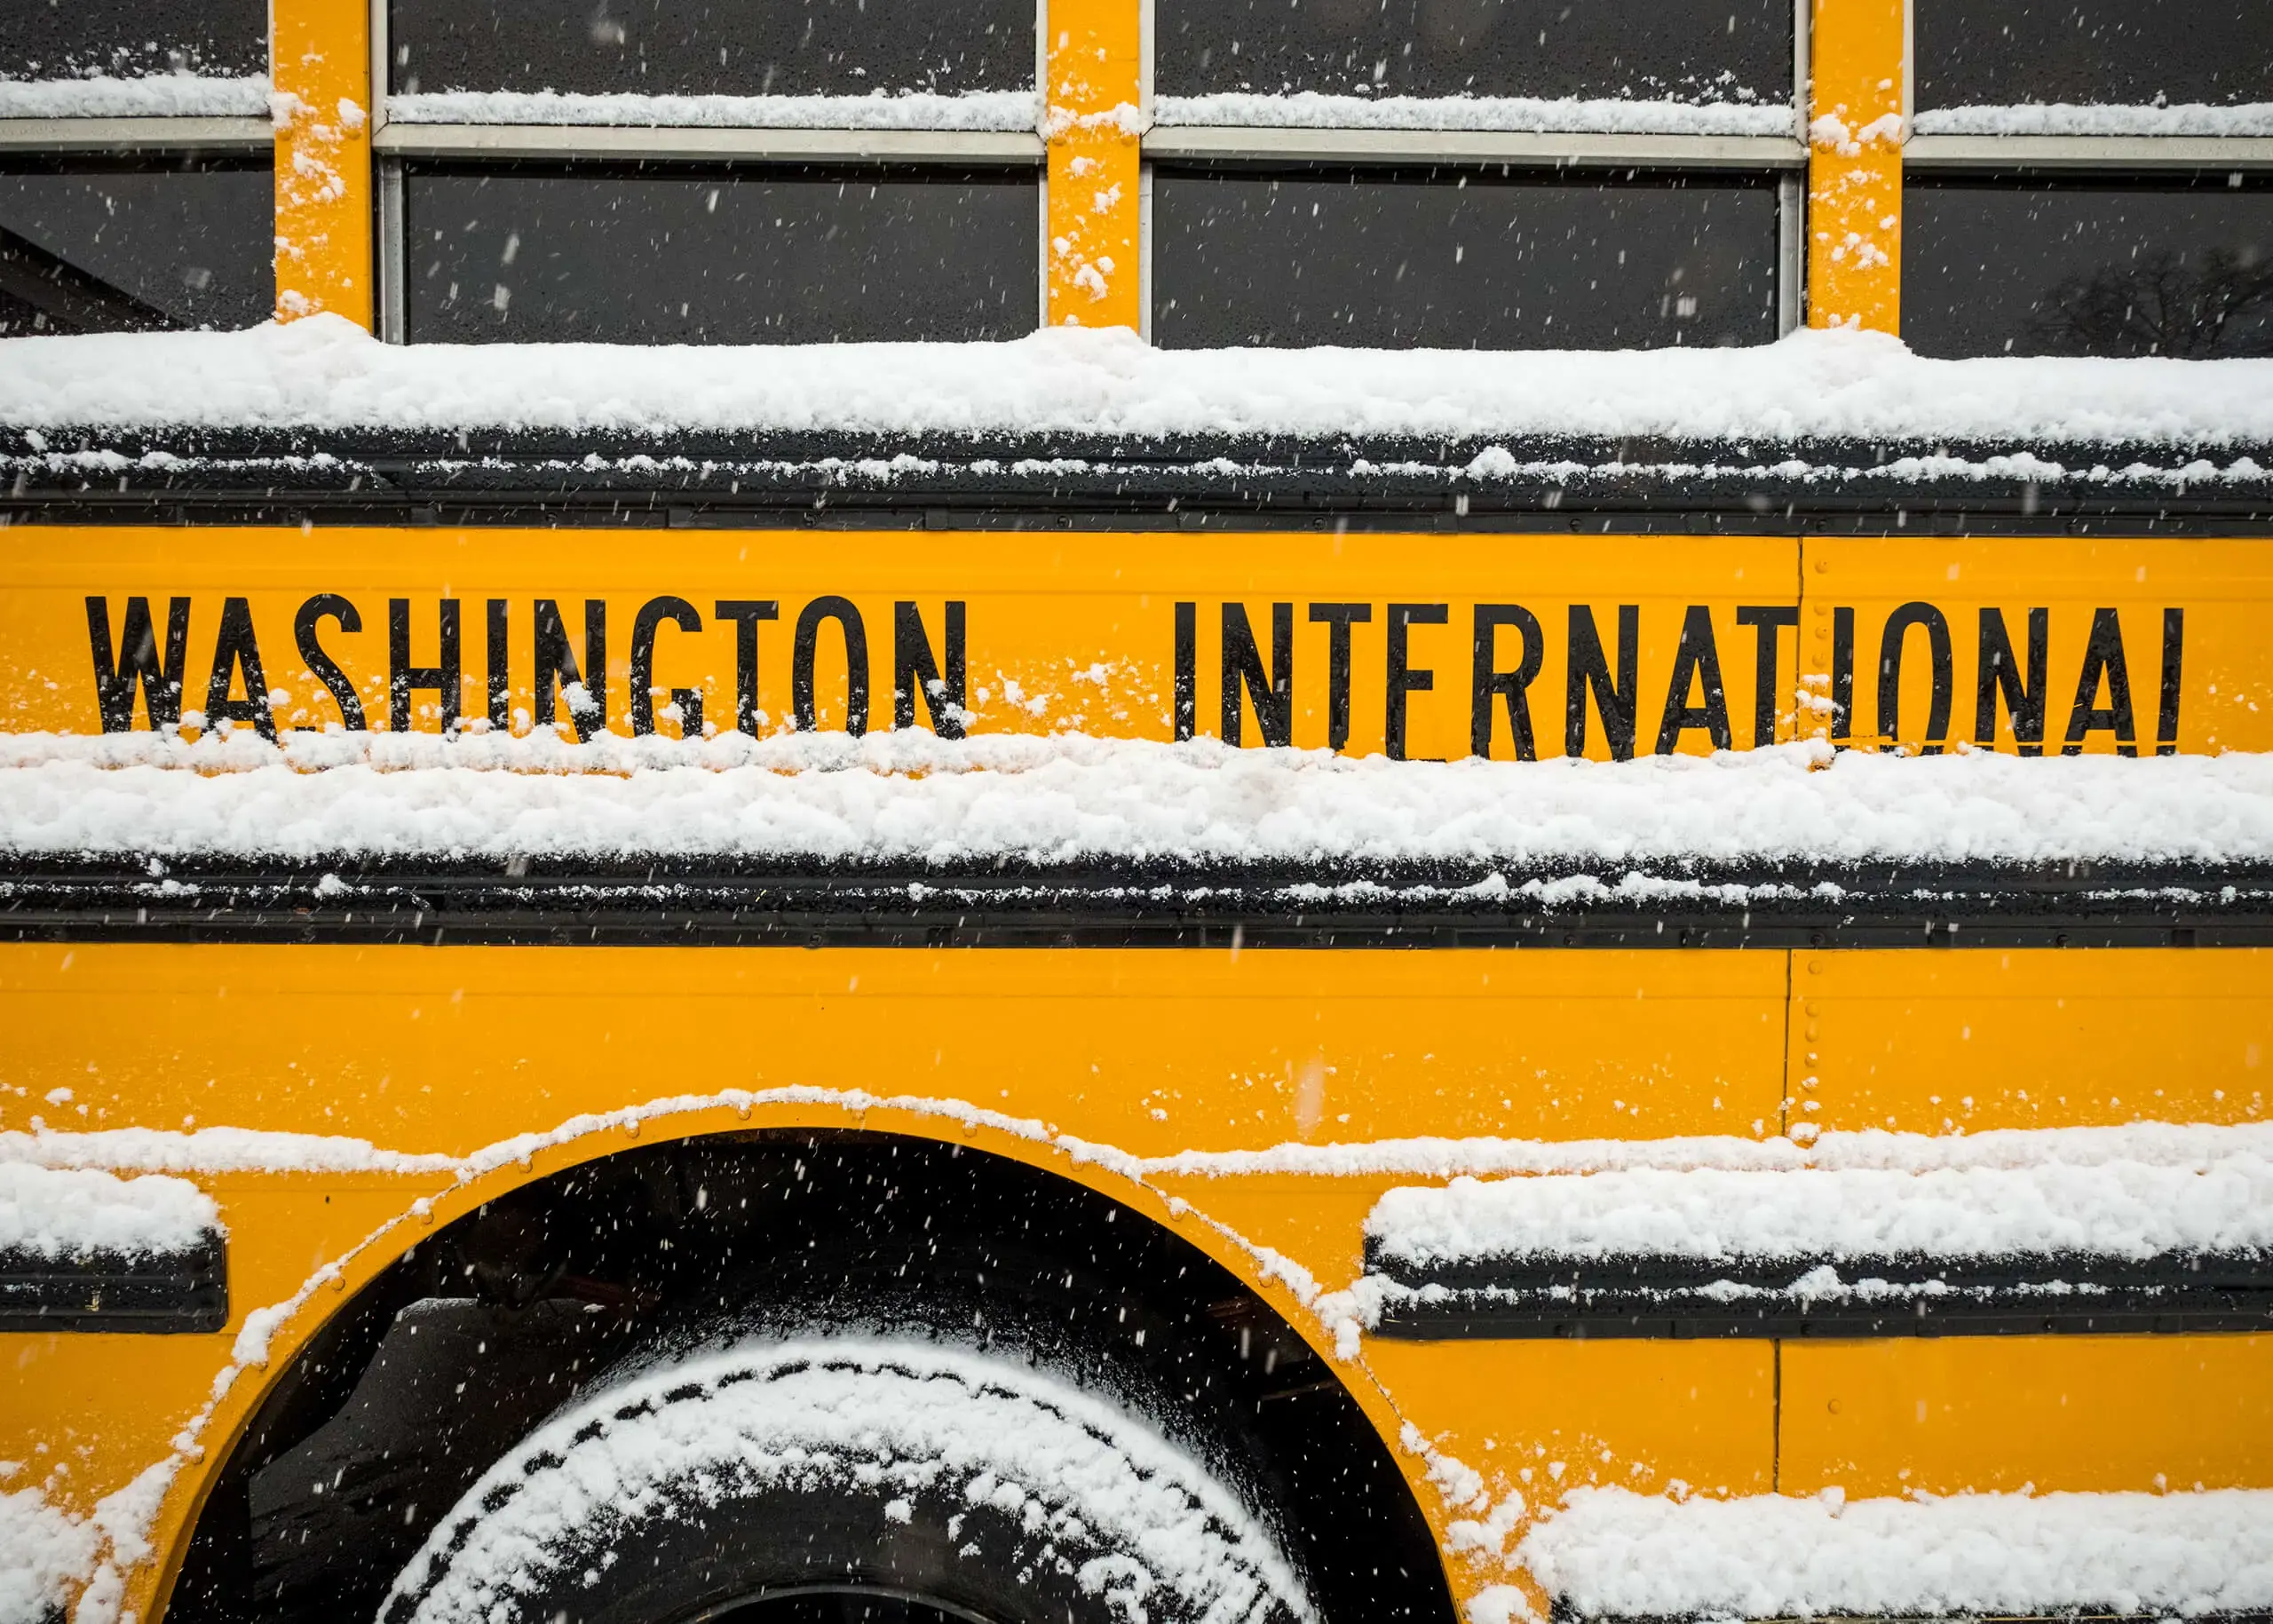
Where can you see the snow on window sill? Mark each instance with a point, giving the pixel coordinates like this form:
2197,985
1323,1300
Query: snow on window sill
981,110
154,96
1607,115
2065,118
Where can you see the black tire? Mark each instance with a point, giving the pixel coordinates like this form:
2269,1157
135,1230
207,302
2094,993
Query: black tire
972,1482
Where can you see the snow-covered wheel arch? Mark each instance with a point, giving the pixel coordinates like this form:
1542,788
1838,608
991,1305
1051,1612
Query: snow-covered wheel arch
972,1478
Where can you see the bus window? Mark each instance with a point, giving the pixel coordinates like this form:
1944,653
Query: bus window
1712,51
672,255
1445,259
132,39
698,47
2085,54
2088,267
96,245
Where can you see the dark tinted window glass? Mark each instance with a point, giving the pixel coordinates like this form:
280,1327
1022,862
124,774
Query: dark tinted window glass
104,251
69,39
1493,263
2003,52
697,257
1703,50
713,47
2087,269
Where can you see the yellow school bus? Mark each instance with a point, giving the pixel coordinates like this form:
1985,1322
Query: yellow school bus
1141,811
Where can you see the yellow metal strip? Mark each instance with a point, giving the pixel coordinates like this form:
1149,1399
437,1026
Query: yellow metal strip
2090,646
1953,1414
1855,165
321,63
1092,118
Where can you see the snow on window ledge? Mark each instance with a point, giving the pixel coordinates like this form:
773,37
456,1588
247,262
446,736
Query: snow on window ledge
1601,115
981,110
2066,118
325,373
152,96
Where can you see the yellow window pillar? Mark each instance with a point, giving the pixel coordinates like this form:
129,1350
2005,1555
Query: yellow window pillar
320,56
1855,128
1092,116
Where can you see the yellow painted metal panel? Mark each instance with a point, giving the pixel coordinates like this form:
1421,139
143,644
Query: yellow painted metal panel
428,1049
1062,631
1536,1419
1091,121
2008,1412
1855,164
1959,1041
2088,626
320,65
449,1048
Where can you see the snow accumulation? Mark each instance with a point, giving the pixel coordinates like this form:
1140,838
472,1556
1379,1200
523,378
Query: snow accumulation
324,373
44,1553
1590,115
996,110
2107,1209
1612,1552
68,1212
1144,1524
2068,118
148,96
207,1150
908,795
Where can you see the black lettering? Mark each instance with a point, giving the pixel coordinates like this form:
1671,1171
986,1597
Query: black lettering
1242,667
1590,670
2023,693
1842,673
2103,658
913,670
137,664
1487,681
1697,660
587,696
653,614
500,670
446,677
1403,681
1766,620
305,626
2173,661
1187,671
236,653
1938,643
746,612
856,664
1338,618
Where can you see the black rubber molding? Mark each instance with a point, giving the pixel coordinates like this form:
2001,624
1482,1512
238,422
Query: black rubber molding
151,1291
1540,1297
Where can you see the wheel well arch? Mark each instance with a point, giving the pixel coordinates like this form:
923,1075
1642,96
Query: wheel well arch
655,1236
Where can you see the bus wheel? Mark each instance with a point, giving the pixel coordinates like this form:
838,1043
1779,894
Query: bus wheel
852,1477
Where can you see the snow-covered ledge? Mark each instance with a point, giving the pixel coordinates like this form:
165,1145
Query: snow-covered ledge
1612,1553
325,374
907,795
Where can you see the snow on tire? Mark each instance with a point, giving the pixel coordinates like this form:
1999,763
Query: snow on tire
967,1479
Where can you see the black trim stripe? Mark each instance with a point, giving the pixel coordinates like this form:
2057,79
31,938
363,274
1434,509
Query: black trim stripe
1889,1297
632,901
155,1292
1048,480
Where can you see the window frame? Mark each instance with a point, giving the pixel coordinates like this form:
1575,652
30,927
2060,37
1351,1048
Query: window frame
393,145
2019,161
1785,157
